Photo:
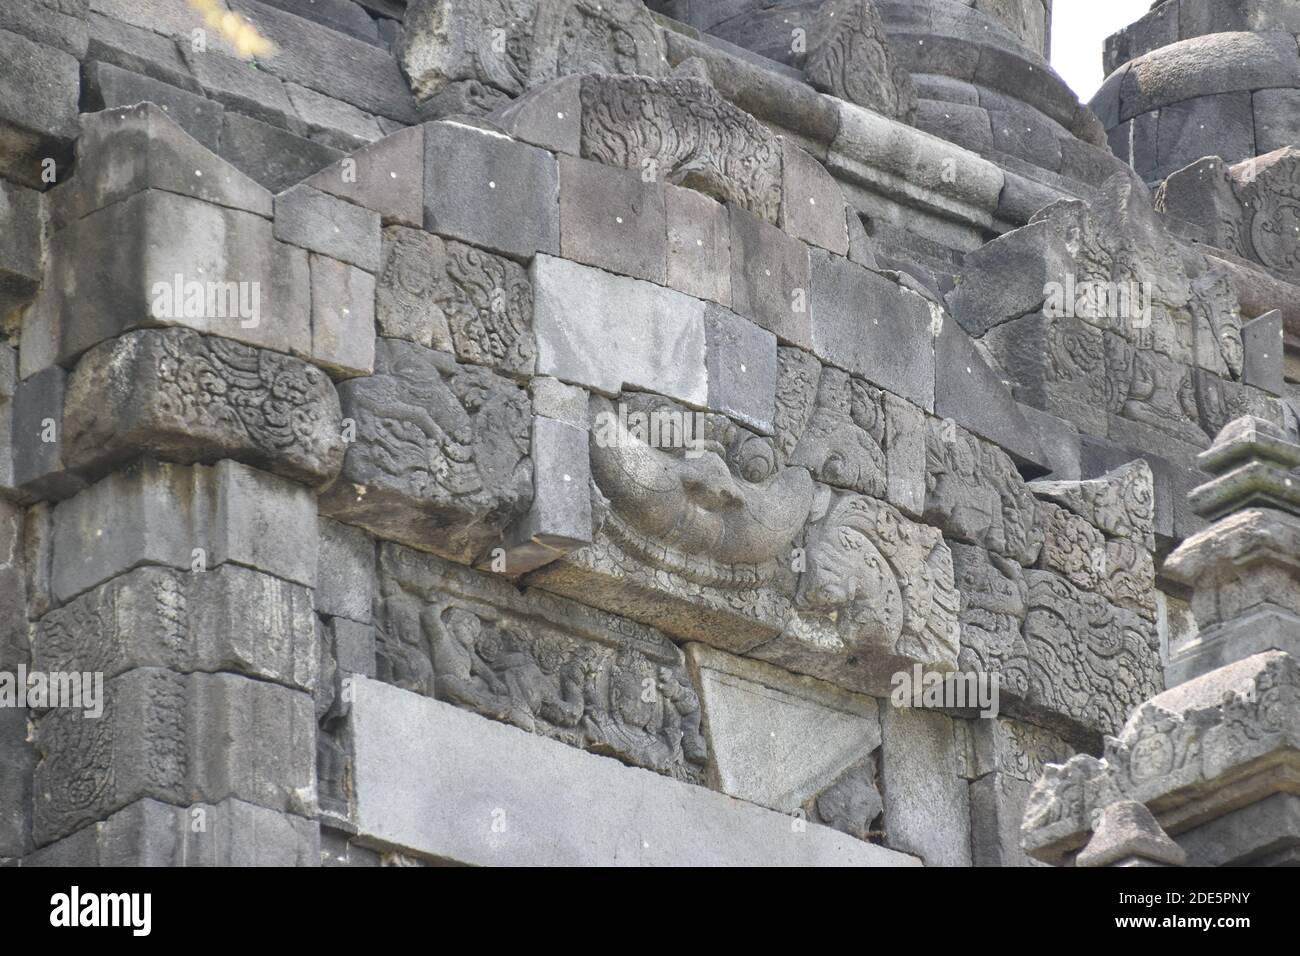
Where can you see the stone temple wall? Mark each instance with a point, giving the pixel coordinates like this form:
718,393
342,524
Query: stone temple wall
516,432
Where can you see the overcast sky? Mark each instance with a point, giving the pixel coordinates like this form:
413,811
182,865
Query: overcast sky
1079,29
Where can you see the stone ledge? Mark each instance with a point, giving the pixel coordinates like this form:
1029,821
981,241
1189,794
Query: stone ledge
445,784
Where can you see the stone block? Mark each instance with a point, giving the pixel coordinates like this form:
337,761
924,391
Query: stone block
559,519
964,124
175,395
50,23
812,209
658,344
1277,119
227,619
344,16
324,224
1262,339
154,739
22,244
39,437
222,272
1010,277
997,805
387,176
342,317
741,363
548,116
437,786
927,806
243,87
867,325
564,403
440,457
331,121
131,149
613,219
905,461
272,156
345,572
310,54
15,643
778,739
139,49
1059,440
232,833
354,646
1203,67
155,513
1218,125
699,245
108,87
37,554
770,278
38,112
16,783
455,298
968,392
484,189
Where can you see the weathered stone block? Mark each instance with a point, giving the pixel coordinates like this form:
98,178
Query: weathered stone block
1010,277
927,807
49,22
613,219
548,116
242,87
309,54
224,274
22,245
658,344
559,519
1263,364
331,121
386,176
636,817
564,403
14,591
440,459
155,513
108,87
742,372
148,833
484,189
228,619
132,148
345,572
770,278
16,783
354,646
699,245
812,207
40,468
1210,126
865,324
38,113
342,317
272,156
968,392
176,395
154,739
322,223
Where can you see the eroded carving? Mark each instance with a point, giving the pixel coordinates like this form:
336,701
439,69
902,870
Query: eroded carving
440,457
849,56
682,131
538,661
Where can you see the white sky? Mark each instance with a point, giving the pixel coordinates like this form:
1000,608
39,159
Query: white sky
1079,30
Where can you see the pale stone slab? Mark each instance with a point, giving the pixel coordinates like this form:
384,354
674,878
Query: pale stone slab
776,738
446,784
606,332
927,806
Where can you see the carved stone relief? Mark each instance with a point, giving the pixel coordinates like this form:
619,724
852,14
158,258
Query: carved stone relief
540,662
478,53
440,456
849,57
681,131
695,533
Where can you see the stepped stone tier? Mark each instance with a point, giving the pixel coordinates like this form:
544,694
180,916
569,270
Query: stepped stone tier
571,432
